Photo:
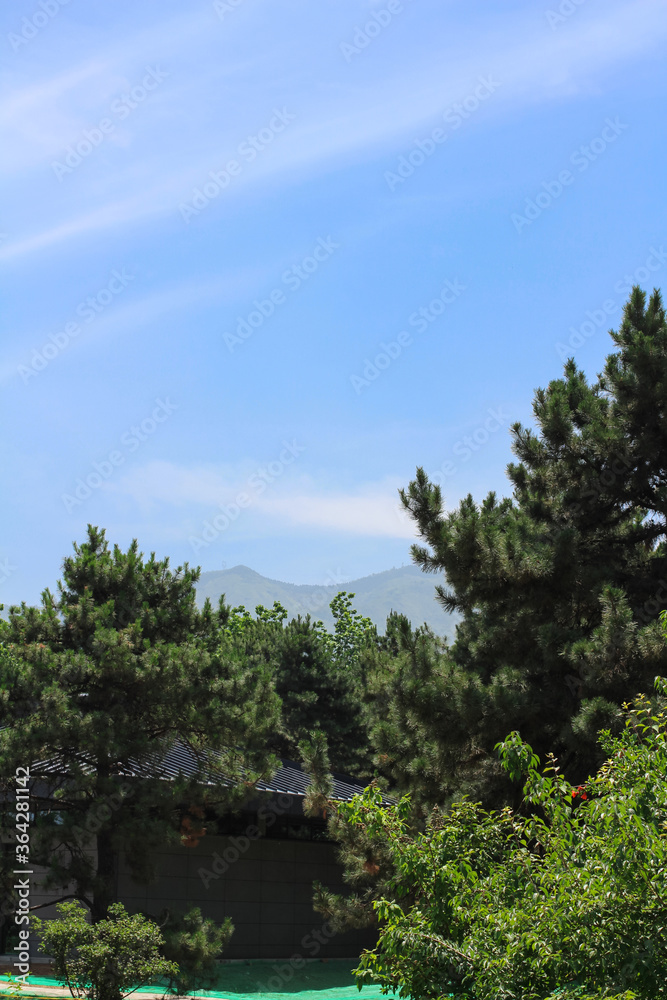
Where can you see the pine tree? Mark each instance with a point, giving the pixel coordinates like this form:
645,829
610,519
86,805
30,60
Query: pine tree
317,675
320,677
319,692
560,586
101,683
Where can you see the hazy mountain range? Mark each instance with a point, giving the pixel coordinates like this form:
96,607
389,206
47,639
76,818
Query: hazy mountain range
406,589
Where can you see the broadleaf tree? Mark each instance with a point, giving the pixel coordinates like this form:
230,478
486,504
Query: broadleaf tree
569,902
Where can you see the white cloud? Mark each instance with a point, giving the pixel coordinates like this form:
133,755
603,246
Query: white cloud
47,93
371,510
374,510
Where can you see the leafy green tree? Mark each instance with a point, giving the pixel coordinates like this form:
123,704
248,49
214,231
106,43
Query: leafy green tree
12,986
102,683
572,899
107,960
559,587
353,633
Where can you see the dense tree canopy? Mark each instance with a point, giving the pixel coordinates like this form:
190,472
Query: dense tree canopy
559,586
570,903
103,681
122,665
318,693
318,675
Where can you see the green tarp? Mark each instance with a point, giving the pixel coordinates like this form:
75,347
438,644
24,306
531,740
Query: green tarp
269,980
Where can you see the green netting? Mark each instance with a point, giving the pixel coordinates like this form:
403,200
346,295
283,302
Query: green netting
270,980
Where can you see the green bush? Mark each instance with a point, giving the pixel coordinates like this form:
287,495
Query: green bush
566,897
107,960
193,943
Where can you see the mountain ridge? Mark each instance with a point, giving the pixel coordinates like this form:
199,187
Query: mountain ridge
405,589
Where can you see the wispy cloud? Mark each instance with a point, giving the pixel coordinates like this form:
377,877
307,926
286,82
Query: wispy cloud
371,510
162,483
337,124
142,310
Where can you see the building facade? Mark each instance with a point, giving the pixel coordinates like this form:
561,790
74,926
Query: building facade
256,866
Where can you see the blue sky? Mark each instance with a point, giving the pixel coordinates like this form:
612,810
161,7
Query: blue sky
219,216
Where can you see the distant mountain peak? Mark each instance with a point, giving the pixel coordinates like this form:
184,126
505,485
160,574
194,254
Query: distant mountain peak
242,570
404,589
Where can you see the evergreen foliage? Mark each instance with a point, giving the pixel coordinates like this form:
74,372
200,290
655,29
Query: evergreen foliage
317,675
120,666
421,710
559,587
558,626
110,675
315,757
321,691
192,944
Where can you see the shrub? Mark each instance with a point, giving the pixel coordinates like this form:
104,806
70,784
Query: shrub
193,943
107,960
569,901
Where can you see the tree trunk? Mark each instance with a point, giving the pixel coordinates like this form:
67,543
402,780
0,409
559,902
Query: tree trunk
105,885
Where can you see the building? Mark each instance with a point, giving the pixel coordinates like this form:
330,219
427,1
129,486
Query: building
256,866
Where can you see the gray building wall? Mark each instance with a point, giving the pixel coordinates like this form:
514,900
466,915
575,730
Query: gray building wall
265,885
267,892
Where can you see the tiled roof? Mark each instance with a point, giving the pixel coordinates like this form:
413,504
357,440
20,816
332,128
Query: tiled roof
180,760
